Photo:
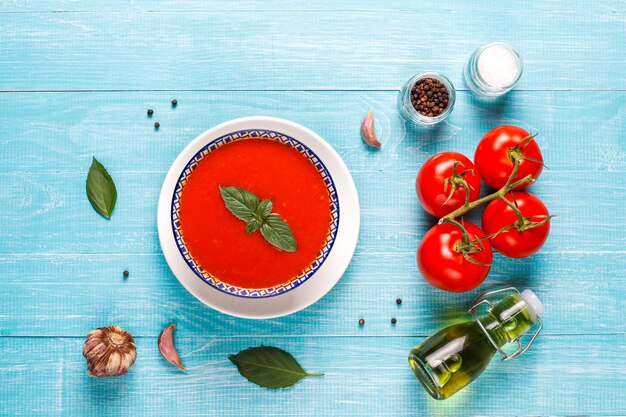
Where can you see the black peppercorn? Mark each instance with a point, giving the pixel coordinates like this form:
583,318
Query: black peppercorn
361,322
394,321
429,97
174,103
126,273
399,301
150,112
157,125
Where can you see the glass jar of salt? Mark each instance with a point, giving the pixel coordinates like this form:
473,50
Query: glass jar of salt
493,69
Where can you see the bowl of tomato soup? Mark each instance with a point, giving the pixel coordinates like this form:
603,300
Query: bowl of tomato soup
219,247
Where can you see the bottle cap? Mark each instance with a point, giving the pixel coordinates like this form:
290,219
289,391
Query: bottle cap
532,300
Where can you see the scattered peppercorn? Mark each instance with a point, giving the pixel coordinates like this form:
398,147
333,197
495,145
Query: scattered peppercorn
174,103
126,273
394,321
399,301
157,125
361,322
429,97
150,112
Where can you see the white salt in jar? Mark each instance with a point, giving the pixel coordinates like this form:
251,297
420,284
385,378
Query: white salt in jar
493,69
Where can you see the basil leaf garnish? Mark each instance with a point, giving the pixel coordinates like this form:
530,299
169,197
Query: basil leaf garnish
258,215
253,225
239,201
269,367
264,209
101,190
278,233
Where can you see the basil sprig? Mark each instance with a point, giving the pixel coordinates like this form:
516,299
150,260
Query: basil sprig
269,367
101,189
258,215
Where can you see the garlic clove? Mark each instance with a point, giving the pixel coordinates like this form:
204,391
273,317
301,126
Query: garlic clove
167,348
367,131
109,351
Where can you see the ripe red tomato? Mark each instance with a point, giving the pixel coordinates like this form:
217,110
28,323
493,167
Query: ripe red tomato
440,199
496,152
443,265
513,242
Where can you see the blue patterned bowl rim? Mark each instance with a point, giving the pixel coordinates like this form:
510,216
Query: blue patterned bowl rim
255,292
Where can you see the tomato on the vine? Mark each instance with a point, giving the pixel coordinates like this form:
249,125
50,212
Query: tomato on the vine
441,187
519,238
449,263
497,151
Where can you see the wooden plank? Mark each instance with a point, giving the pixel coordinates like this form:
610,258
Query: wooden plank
61,131
363,376
565,46
366,269
76,292
51,214
187,6
572,287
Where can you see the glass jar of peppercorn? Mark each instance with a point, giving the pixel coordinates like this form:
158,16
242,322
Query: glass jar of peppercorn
427,98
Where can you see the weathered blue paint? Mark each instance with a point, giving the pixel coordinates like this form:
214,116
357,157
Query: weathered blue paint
76,79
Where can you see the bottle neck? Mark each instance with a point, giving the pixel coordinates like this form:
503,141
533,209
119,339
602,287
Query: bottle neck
508,320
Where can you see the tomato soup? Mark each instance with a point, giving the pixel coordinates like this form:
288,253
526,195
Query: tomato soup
217,240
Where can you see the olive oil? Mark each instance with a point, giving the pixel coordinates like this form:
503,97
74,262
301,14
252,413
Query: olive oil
455,356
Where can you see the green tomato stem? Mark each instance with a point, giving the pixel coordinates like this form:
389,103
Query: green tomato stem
498,194
466,246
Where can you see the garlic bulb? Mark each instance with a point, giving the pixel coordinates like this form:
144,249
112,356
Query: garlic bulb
110,351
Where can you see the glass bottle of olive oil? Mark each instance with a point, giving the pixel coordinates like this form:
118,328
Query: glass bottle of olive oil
456,355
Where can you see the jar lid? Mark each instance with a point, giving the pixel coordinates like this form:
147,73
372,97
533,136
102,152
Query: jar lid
533,301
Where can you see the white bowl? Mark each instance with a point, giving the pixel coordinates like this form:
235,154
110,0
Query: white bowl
298,293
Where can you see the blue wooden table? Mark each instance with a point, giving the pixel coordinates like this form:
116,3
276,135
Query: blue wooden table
76,79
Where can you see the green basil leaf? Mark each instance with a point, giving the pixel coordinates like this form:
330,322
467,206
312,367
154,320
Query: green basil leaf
101,189
258,216
264,209
269,367
239,201
277,232
253,225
